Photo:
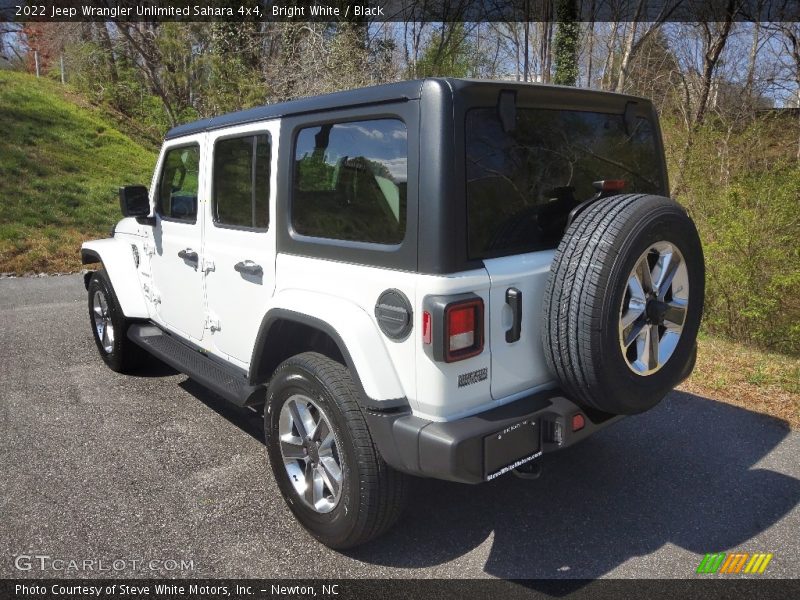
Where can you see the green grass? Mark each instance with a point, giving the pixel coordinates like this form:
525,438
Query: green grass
766,382
60,167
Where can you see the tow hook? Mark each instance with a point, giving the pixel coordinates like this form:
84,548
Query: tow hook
531,470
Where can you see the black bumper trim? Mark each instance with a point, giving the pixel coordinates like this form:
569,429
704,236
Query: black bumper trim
454,450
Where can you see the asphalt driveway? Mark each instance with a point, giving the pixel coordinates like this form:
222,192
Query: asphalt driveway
99,466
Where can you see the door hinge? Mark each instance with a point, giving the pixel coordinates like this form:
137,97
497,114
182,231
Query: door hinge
208,265
151,294
212,323
149,248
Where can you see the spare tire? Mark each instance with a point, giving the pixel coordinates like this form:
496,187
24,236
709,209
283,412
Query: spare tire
623,303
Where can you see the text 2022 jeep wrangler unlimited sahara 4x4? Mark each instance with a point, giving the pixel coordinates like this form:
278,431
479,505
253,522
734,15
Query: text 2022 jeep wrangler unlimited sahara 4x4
442,278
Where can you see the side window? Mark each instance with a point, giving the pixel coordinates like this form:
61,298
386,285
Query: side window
241,181
350,181
177,187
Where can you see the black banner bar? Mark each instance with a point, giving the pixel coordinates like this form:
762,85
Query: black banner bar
374,11
411,589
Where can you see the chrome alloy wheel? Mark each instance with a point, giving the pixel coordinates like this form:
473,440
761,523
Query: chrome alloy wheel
654,308
102,321
310,454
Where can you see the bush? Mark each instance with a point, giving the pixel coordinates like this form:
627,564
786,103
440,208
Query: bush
742,189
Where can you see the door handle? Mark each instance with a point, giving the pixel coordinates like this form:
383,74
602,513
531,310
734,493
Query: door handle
188,254
514,301
249,267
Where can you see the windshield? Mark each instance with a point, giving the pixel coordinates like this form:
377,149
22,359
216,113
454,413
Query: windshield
522,184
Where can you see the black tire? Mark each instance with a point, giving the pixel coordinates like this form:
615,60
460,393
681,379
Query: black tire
586,293
373,494
123,356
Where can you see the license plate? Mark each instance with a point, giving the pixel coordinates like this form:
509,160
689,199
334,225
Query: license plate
511,447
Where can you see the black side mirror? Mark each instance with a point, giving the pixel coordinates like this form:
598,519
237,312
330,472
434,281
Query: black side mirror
134,201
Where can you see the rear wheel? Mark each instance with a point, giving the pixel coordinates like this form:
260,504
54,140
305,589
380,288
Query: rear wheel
110,327
322,455
623,303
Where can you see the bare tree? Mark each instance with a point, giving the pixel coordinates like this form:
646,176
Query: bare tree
142,39
714,36
608,64
790,42
545,44
698,82
633,42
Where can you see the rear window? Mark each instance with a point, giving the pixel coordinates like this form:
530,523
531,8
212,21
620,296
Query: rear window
522,184
241,181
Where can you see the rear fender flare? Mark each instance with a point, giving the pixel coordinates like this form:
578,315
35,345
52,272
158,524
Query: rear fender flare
355,334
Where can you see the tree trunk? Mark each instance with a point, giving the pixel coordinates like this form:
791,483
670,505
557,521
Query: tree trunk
605,80
715,45
108,51
546,51
632,44
527,38
627,52
567,43
590,49
751,63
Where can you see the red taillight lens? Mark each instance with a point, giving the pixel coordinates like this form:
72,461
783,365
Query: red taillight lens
464,328
426,327
461,328
578,422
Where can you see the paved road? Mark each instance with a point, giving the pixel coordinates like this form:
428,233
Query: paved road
100,466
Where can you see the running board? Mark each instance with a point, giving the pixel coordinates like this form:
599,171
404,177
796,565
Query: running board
229,382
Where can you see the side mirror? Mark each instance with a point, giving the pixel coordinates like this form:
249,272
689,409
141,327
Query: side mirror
134,201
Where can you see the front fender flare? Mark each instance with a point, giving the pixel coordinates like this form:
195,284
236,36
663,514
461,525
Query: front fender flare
116,257
356,335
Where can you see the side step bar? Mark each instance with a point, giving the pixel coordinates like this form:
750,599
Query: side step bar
227,381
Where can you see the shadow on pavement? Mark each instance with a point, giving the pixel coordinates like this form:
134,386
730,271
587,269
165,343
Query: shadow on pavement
683,473
153,367
247,419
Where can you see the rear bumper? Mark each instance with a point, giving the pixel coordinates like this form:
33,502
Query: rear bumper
483,446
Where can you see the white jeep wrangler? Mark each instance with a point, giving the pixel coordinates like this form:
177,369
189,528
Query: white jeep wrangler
441,278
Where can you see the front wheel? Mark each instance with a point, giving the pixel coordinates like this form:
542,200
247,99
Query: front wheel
110,327
323,457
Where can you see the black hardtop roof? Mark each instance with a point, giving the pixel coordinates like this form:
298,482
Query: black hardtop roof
402,90
388,92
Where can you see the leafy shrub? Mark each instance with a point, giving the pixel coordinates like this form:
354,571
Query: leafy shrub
742,188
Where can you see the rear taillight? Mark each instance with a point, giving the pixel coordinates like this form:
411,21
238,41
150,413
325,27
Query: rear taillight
463,325
426,328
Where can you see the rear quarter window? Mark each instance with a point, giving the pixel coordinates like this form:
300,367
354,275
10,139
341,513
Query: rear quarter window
350,181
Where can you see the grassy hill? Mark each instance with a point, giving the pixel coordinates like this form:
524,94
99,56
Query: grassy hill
61,162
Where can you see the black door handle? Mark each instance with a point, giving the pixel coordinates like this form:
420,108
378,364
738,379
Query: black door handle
514,300
188,254
249,267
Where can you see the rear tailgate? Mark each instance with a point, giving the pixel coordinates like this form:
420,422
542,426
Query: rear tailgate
517,365
525,171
